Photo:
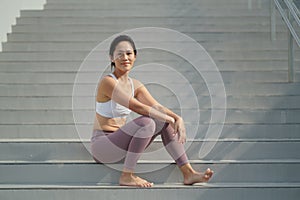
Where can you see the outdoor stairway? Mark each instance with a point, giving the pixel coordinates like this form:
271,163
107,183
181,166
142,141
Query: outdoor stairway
47,77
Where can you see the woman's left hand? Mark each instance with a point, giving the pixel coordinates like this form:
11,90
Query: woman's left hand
179,129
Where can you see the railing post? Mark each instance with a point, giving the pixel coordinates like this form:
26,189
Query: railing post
272,20
290,53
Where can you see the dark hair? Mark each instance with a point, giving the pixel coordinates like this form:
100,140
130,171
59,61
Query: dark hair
116,41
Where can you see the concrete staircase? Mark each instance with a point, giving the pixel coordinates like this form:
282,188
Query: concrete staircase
42,155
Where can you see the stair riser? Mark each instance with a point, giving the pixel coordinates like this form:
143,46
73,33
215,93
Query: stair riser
88,46
91,37
193,193
230,150
73,67
68,132
241,8
65,103
83,116
161,78
97,173
258,3
49,90
109,23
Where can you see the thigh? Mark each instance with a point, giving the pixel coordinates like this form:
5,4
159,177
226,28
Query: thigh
141,127
114,146
105,151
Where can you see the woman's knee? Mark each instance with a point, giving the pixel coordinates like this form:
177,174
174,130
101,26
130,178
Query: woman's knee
146,123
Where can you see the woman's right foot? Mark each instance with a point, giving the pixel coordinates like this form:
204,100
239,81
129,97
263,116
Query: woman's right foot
197,177
129,179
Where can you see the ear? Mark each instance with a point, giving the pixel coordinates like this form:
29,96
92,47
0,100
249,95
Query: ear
111,59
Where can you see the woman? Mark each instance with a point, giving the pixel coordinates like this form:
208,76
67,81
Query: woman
114,138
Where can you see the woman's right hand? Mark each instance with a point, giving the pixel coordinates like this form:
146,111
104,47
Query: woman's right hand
179,129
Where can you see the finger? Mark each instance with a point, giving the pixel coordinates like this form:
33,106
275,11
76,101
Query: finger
182,136
175,129
181,139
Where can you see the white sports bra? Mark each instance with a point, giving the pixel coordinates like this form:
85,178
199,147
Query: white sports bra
111,109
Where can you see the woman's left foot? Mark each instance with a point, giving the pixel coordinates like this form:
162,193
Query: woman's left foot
197,177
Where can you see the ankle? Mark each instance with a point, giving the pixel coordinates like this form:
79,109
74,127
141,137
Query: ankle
126,174
187,169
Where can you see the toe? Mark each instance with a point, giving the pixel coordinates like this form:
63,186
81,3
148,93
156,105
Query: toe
208,174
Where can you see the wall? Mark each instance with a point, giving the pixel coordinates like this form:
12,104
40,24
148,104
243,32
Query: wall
10,10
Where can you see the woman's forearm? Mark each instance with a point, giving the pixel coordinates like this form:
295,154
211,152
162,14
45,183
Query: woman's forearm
166,111
153,112
162,116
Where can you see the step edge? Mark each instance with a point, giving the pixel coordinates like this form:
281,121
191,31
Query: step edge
156,186
157,162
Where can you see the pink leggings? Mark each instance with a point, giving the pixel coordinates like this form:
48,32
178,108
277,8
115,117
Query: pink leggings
132,139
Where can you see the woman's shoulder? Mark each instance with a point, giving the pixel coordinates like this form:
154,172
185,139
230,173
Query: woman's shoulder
137,83
106,83
107,79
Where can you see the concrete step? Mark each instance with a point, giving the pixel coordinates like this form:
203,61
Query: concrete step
257,3
9,117
99,9
258,191
63,90
85,18
74,66
215,20
99,37
190,27
209,5
160,77
254,45
22,152
145,57
233,102
159,172
186,5
68,132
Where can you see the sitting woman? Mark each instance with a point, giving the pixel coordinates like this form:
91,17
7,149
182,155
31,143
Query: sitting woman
114,139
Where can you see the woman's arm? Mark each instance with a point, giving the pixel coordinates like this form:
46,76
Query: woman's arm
110,89
144,96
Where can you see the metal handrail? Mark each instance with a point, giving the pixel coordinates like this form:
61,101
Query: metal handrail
287,20
296,9
292,34
292,10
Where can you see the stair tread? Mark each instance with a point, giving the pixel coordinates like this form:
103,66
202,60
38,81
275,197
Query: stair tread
153,162
156,186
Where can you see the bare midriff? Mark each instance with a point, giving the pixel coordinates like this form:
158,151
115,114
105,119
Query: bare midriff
108,124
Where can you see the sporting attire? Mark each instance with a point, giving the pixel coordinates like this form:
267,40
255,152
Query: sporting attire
130,141
111,109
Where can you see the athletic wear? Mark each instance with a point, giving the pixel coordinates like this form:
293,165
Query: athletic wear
111,109
132,139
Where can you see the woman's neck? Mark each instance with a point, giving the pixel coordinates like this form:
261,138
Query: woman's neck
123,76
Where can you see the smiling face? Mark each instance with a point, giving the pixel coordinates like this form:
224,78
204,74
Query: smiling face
123,56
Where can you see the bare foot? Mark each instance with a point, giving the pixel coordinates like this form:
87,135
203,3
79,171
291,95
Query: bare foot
196,177
128,179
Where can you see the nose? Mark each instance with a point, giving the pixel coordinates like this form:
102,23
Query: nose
124,56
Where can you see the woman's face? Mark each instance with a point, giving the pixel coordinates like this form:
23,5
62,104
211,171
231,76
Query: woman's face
123,56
